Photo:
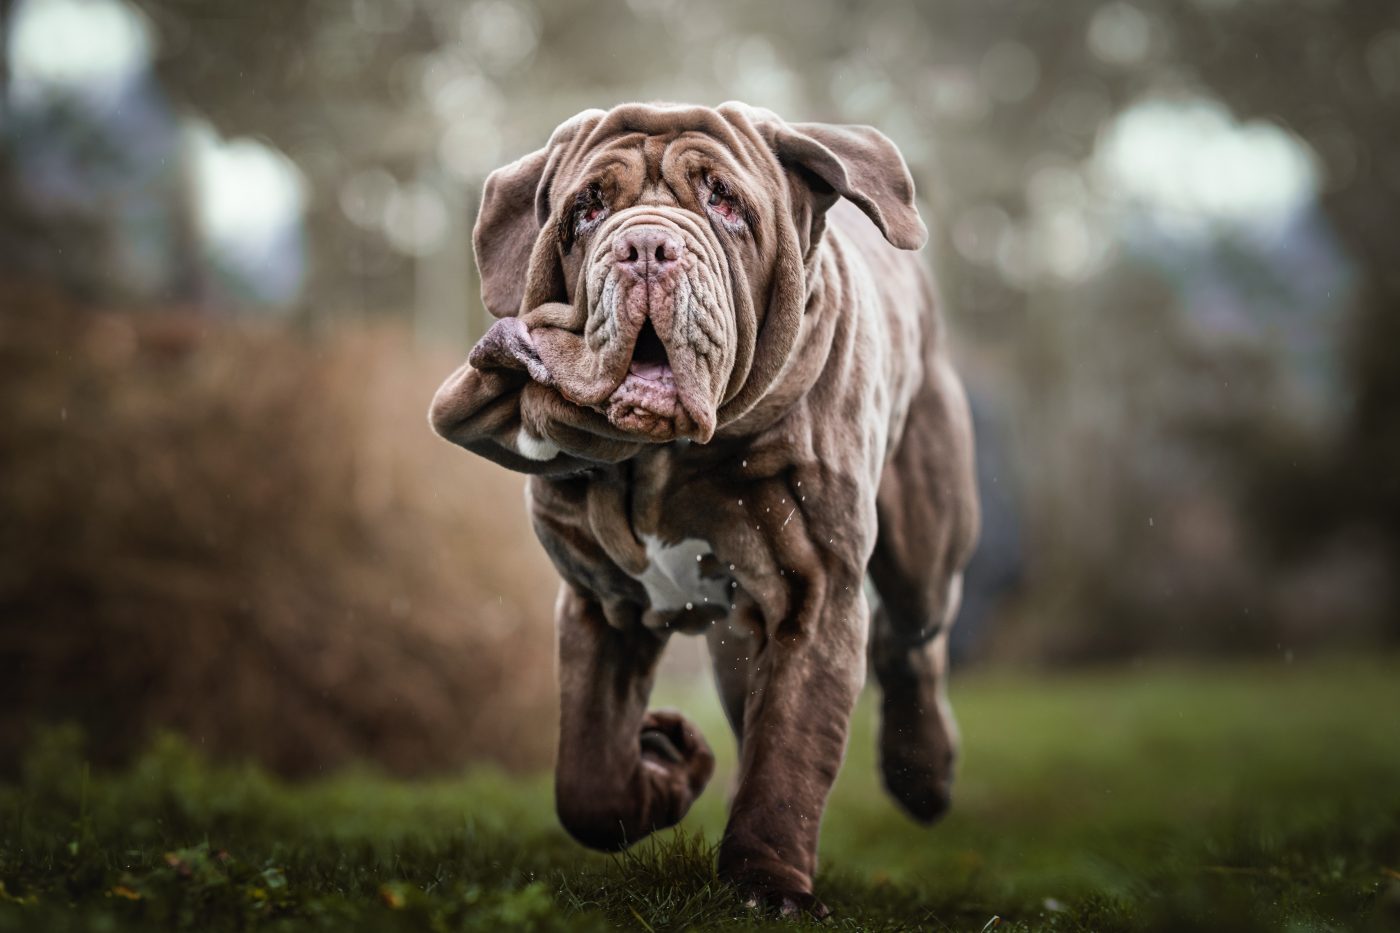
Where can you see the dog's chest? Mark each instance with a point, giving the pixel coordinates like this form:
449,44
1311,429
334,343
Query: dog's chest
684,580
681,576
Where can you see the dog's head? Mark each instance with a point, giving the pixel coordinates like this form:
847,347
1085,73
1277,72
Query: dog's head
672,246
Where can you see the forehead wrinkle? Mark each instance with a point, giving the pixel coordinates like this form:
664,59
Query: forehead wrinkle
665,120
653,152
639,142
716,156
660,193
731,151
611,165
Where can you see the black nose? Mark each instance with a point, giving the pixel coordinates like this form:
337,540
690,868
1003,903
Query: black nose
645,248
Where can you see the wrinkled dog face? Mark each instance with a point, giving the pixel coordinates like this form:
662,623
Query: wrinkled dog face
651,237
649,263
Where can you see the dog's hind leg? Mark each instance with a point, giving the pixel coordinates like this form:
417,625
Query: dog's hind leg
623,772
927,506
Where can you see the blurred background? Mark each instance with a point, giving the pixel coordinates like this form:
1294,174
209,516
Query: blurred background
235,262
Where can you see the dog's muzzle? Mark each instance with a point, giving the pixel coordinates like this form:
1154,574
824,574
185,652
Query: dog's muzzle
657,302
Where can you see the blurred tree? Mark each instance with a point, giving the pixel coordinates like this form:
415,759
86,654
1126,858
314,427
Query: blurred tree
6,8
31,244
330,85
1331,72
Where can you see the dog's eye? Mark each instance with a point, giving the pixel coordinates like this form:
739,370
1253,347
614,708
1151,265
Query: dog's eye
589,208
722,203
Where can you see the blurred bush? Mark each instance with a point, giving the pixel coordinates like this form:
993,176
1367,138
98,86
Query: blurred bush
253,538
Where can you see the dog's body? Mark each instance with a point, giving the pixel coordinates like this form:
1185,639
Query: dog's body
735,394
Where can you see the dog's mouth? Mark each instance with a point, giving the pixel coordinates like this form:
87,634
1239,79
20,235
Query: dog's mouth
649,360
647,402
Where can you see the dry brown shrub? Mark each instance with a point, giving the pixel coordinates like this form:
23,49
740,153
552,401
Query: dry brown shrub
256,540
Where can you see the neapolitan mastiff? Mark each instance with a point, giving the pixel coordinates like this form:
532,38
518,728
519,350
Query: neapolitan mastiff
721,360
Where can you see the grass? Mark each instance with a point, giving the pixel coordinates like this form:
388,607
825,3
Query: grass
1263,797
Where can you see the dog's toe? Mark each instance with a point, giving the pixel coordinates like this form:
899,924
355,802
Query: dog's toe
670,741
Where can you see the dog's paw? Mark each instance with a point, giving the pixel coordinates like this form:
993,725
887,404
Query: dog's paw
784,903
675,752
774,892
674,765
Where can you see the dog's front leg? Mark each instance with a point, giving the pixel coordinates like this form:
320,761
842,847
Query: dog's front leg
805,681
623,772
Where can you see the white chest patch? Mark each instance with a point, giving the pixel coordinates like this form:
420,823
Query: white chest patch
672,577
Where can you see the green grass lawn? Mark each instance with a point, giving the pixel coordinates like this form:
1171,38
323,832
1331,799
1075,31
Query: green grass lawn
1237,798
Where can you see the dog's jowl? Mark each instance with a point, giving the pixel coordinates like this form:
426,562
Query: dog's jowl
718,353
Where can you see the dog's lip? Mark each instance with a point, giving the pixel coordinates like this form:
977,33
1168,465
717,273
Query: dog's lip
649,386
647,401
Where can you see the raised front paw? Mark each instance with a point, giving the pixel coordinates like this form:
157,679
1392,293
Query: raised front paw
611,811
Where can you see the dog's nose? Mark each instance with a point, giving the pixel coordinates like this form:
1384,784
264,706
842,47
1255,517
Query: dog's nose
646,248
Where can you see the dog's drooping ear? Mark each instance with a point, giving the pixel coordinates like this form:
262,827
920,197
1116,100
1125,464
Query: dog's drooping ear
860,164
514,208
505,232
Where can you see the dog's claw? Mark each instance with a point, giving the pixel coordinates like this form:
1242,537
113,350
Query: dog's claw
786,903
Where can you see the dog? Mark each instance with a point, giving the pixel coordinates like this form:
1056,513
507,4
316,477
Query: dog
719,355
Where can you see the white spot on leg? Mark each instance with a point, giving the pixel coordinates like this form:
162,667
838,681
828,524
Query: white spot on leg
535,448
953,601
